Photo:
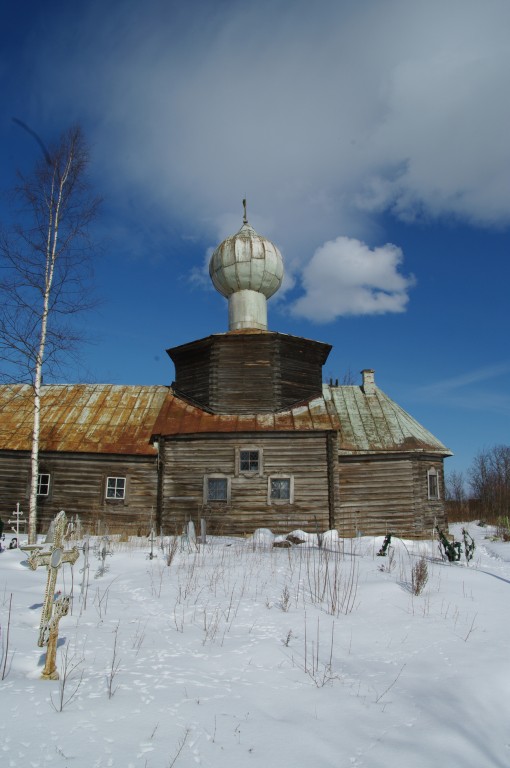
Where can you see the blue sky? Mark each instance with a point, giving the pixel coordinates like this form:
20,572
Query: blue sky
371,141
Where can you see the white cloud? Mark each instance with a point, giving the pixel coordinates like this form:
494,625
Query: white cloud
322,115
346,277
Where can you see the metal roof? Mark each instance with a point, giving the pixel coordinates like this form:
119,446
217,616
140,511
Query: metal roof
83,418
106,418
376,423
365,423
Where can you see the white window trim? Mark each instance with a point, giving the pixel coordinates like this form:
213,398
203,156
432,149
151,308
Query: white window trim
249,473
115,498
216,476
290,500
432,472
39,478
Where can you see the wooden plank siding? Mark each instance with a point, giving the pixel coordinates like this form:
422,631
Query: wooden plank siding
192,365
300,369
242,375
78,486
188,460
386,494
249,372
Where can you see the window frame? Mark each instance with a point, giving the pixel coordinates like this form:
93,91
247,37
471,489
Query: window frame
249,472
271,499
115,499
216,476
48,485
433,496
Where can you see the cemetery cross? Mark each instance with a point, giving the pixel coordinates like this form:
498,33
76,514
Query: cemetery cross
53,560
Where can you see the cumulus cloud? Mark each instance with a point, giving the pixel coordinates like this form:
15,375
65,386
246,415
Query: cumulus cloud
346,277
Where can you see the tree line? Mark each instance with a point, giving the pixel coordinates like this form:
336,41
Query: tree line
485,491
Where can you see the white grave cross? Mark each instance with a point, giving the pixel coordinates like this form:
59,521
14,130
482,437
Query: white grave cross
17,514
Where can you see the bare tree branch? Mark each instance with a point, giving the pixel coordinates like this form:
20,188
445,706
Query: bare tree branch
489,478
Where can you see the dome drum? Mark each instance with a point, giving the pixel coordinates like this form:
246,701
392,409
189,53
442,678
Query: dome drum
247,309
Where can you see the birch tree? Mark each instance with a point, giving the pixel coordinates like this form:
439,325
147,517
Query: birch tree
45,275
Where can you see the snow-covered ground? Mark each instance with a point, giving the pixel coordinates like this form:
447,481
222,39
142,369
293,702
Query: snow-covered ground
240,654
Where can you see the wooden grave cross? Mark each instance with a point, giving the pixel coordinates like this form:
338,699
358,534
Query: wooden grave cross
49,637
53,560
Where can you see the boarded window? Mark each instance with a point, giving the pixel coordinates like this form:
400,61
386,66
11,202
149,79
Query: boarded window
115,487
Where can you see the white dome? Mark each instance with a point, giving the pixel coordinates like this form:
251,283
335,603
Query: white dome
246,261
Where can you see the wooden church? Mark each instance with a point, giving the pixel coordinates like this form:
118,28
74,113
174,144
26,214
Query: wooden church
247,436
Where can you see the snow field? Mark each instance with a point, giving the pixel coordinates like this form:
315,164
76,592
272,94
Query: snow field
238,653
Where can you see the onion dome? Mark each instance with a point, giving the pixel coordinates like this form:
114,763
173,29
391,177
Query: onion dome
247,269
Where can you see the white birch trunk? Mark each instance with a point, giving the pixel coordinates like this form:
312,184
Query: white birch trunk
54,213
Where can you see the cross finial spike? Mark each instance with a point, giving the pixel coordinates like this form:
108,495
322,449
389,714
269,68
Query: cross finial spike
245,217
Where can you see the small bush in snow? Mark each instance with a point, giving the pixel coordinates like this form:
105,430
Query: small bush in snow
419,576
285,599
451,550
469,545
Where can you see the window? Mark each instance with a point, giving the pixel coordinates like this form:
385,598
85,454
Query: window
216,489
249,461
43,484
115,487
433,484
281,489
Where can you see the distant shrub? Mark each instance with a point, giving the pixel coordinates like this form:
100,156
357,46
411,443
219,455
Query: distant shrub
503,528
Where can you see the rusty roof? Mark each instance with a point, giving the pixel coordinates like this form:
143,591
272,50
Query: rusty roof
365,423
83,418
107,418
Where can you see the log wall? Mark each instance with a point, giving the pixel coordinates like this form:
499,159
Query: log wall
360,494
249,373
388,494
188,460
77,485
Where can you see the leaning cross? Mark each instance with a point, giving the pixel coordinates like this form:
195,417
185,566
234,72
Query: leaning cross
52,559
